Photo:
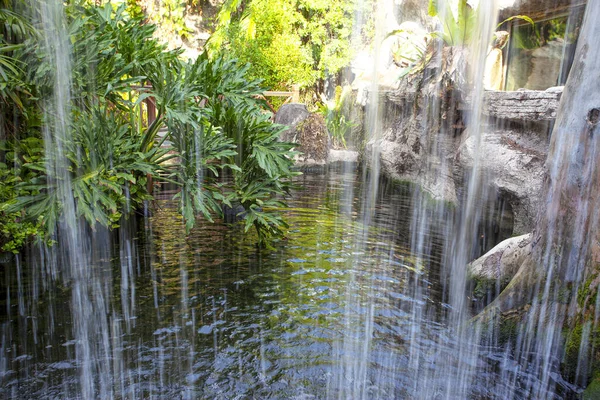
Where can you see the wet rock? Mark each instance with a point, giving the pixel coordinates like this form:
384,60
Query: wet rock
421,123
514,301
513,163
233,214
423,140
404,160
348,156
492,272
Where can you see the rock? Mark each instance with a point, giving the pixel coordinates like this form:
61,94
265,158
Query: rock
291,115
348,156
418,140
308,130
513,164
423,139
405,154
233,214
416,10
523,105
313,139
405,161
503,261
493,271
515,299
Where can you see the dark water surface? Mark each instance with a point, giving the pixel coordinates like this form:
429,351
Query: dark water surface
328,313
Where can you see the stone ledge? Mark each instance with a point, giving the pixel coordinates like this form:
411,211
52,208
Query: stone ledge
523,105
527,105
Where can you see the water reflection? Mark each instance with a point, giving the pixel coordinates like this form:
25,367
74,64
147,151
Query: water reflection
208,315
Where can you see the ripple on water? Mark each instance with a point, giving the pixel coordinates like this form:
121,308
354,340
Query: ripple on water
215,318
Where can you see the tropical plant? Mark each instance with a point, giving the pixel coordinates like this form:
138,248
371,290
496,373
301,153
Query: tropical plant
207,112
459,20
247,146
14,232
337,115
14,28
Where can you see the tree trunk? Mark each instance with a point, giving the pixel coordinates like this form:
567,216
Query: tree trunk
557,284
567,227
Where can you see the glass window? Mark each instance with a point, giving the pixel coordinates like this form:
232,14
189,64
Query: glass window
541,56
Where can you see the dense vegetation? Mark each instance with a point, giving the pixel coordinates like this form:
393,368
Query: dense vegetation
92,139
291,41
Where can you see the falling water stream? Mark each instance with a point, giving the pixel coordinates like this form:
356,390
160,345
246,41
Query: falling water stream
363,299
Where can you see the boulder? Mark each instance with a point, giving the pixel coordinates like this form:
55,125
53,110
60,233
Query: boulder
291,115
493,271
523,105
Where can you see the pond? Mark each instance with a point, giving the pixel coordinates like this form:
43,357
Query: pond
329,311
337,309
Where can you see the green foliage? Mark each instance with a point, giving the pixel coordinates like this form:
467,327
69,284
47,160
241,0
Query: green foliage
521,17
459,26
106,168
337,115
459,20
287,41
264,176
261,164
14,232
217,125
171,16
534,36
13,29
408,49
207,112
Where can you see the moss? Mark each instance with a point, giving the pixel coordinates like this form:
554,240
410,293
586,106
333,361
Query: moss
592,392
501,328
482,287
572,346
573,338
585,294
508,330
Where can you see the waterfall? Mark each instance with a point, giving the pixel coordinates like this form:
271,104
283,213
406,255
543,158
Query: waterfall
76,261
368,294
